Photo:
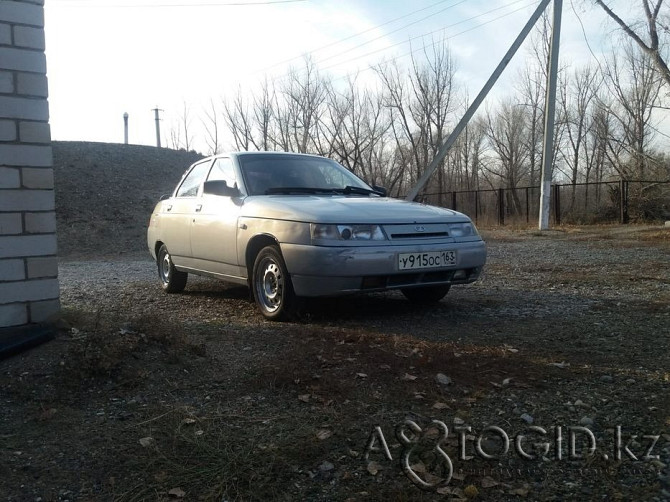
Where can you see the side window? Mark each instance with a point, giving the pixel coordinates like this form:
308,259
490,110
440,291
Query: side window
189,187
223,171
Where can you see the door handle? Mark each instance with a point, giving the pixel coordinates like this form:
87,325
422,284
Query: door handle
169,208
198,208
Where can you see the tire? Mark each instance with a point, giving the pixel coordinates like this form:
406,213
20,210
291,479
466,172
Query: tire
426,294
272,287
172,280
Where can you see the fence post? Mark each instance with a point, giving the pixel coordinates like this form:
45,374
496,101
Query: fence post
501,206
557,204
527,207
623,202
476,206
453,201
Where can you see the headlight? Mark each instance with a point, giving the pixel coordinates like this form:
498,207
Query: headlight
462,230
347,232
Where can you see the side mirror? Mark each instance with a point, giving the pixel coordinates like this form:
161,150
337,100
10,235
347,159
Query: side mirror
220,187
380,190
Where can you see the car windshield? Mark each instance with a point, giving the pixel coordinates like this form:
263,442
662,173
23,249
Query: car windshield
297,174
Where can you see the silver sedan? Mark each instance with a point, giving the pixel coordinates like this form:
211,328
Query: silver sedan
293,225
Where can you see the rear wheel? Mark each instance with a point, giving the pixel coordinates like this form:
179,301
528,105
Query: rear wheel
271,285
426,294
172,280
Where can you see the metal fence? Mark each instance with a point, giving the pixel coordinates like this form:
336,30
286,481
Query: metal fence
581,203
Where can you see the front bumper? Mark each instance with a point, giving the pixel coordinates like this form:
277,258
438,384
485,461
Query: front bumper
330,271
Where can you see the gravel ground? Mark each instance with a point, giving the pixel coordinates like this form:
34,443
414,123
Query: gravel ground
567,329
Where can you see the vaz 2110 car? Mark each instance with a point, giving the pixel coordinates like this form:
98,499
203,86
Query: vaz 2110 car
292,225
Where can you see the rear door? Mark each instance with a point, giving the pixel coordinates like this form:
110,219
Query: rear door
214,225
178,212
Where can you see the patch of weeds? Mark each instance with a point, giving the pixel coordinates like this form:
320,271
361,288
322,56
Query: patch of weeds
101,348
224,455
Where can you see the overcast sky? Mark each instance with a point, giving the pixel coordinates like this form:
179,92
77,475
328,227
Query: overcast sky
107,57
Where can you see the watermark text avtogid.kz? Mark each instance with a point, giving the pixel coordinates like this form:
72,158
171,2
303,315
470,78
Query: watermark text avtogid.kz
494,443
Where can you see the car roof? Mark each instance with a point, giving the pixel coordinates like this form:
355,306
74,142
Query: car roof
251,154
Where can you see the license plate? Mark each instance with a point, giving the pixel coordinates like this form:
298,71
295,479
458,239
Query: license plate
431,259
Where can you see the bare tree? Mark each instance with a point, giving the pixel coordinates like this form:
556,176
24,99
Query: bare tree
238,119
531,91
402,127
507,136
304,93
421,103
635,88
180,136
576,97
174,136
433,92
263,116
186,126
647,29
211,125
466,156
357,125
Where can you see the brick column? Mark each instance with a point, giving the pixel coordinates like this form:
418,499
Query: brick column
28,266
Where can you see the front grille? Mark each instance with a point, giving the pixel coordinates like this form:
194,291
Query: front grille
417,231
427,235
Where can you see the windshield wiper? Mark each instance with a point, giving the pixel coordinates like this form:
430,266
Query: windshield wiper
349,189
358,190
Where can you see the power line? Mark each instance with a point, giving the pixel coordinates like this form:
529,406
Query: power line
441,29
362,33
87,3
279,79
395,31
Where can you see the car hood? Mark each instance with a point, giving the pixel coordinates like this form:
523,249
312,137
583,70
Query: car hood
345,209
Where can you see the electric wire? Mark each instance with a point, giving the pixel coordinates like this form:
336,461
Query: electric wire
279,79
88,3
395,31
352,36
444,39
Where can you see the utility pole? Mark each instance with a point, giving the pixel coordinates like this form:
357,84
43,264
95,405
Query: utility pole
444,149
125,128
158,126
549,119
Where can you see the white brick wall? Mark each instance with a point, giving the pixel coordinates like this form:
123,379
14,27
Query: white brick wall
42,267
6,81
27,36
34,132
32,84
7,130
28,264
10,177
13,269
13,314
10,224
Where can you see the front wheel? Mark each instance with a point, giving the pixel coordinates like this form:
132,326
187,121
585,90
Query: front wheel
426,294
172,280
271,285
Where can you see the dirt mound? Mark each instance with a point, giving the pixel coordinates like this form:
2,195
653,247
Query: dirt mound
105,193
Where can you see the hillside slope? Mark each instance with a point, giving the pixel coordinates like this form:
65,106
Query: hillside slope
105,193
